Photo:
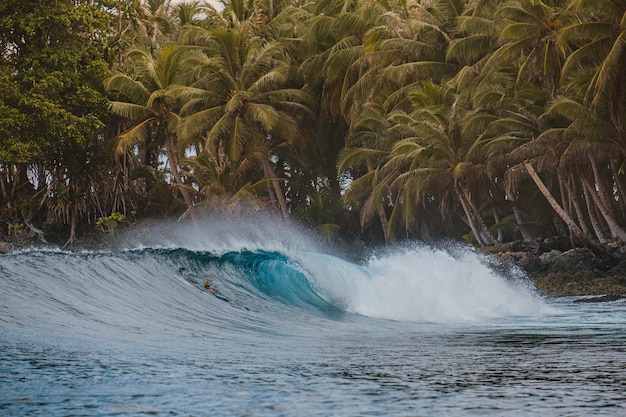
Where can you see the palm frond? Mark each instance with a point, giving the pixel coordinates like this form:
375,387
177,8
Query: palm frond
469,50
133,136
199,123
123,84
356,157
414,71
130,111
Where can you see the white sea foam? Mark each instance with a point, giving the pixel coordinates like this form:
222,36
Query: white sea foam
425,285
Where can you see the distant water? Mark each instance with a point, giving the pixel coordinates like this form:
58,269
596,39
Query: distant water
296,332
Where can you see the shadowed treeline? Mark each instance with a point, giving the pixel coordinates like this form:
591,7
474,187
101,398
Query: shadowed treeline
490,121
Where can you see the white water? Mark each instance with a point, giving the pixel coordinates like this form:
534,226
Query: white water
422,284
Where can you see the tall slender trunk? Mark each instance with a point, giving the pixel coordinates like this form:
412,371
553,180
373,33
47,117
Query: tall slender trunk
519,219
380,211
593,217
616,229
469,217
73,226
573,196
620,189
597,250
271,175
172,155
603,193
496,218
488,238
566,202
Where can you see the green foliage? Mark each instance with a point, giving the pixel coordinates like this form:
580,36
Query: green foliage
15,229
110,223
426,110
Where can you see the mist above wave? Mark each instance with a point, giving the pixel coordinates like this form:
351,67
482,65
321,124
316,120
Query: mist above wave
220,234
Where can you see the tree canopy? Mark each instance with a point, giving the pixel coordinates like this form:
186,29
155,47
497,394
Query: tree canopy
489,121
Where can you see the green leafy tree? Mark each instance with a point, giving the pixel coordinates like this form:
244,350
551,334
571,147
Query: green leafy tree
53,70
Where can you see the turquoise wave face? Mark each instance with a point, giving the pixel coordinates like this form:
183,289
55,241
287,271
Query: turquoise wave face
277,277
246,275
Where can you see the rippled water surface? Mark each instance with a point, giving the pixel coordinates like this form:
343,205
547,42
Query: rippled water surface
418,331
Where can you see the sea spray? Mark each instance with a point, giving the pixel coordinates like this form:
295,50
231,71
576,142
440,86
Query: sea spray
218,235
425,284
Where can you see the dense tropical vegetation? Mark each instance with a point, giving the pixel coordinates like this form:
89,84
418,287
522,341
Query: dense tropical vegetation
486,120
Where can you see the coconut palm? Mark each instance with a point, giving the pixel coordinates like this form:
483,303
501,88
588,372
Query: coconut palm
597,41
529,31
243,94
152,111
225,184
476,33
591,143
367,149
400,51
432,159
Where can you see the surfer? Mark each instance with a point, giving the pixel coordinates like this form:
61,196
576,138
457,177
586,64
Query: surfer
207,286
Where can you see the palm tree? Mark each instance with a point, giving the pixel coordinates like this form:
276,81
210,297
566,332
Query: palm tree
243,94
189,13
529,32
154,23
225,184
591,142
399,52
368,147
151,110
430,159
476,37
598,39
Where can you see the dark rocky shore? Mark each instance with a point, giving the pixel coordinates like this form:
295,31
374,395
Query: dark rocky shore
569,272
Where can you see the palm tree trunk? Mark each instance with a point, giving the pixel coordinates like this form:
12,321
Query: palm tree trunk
496,219
469,217
593,218
271,175
599,179
566,201
519,219
573,196
620,189
488,238
616,229
73,227
175,167
380,211
596,249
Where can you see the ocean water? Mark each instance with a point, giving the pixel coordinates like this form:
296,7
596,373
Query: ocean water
295,330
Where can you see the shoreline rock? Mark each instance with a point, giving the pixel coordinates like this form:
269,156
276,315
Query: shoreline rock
601,299
5,247
573,272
